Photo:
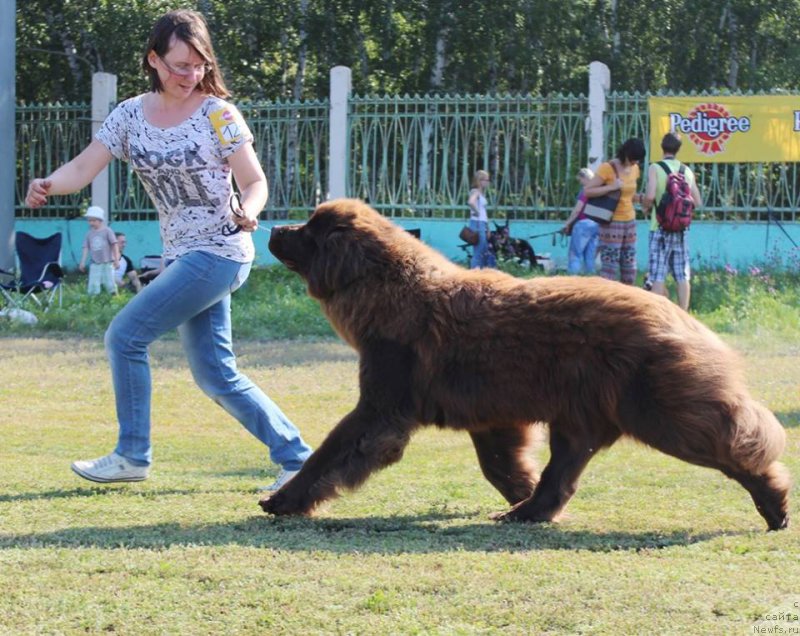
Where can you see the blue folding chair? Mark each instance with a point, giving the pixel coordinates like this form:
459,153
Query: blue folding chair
38,275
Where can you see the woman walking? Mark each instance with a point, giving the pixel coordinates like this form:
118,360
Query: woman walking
185,142
479,221
617,240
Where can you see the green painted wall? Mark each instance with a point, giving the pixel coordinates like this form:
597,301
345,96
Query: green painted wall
717,243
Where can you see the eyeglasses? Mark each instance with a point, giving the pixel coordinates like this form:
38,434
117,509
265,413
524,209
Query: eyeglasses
185,70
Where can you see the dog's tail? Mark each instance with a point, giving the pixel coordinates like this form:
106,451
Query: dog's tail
759,438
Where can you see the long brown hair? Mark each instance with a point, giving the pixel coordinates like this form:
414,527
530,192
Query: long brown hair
191,28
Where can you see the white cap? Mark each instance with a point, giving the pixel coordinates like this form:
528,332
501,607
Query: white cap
96,212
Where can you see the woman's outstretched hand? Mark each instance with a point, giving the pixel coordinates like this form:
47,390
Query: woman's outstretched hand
37,193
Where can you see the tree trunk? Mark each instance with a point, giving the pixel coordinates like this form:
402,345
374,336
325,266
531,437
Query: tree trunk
436,84
440,58
68,48
297,95
302,52
615,36
733,32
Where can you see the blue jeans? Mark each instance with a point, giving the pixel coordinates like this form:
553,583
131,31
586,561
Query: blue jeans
583,247
193,294
481,254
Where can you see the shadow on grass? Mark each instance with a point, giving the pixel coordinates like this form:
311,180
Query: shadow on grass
433,532
102,491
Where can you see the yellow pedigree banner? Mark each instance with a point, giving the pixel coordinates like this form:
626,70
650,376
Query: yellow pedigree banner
729,129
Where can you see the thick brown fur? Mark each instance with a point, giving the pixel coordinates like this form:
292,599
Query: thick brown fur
490,354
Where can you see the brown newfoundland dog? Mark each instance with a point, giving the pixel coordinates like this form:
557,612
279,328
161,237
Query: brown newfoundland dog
490,354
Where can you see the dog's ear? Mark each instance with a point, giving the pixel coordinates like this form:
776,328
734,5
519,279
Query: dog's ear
341,259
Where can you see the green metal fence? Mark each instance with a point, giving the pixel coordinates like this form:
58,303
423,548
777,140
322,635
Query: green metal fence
414,156
48,135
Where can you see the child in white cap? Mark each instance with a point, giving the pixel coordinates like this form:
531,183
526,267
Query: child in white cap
101,243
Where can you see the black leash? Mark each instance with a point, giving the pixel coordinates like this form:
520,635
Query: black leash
554,234
545,234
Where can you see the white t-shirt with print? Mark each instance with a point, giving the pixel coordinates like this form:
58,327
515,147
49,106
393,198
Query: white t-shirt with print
186,173
481,205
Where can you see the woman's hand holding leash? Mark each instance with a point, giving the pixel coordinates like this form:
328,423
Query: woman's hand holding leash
245,222
240,217
241,221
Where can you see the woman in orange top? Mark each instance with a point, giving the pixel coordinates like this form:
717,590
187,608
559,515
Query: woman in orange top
617,240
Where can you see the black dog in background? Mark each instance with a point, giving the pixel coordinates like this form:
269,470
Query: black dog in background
506,247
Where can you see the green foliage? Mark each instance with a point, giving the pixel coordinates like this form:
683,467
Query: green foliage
757,299
419,46
274,304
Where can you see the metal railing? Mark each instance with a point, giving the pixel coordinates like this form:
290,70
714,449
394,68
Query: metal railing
415,156
48,135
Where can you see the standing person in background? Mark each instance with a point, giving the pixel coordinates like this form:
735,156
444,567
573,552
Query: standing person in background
185,141
669,251
617,241
479,221
125,275
101,250
583,232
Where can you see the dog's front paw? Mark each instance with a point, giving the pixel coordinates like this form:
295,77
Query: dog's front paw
521,513
505,515
279,504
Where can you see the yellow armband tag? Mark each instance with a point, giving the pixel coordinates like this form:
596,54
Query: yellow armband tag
226,122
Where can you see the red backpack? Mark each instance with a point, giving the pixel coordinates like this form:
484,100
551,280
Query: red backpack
674,210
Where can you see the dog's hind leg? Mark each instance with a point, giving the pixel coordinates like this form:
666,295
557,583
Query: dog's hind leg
770,493
740,438
504,456
758,440
559,481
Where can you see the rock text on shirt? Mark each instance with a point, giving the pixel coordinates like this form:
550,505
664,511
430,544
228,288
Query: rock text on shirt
163,172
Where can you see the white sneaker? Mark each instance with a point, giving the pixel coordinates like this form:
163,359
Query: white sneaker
110,468
283,478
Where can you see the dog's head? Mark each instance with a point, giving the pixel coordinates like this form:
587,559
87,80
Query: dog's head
344,240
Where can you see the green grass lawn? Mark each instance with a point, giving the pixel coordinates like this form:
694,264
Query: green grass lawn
650,545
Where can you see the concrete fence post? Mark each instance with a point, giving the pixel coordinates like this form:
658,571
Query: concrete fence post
104,96
8,105
337,162
599,85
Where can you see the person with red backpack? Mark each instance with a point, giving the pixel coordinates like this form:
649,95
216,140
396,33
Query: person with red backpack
672,195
